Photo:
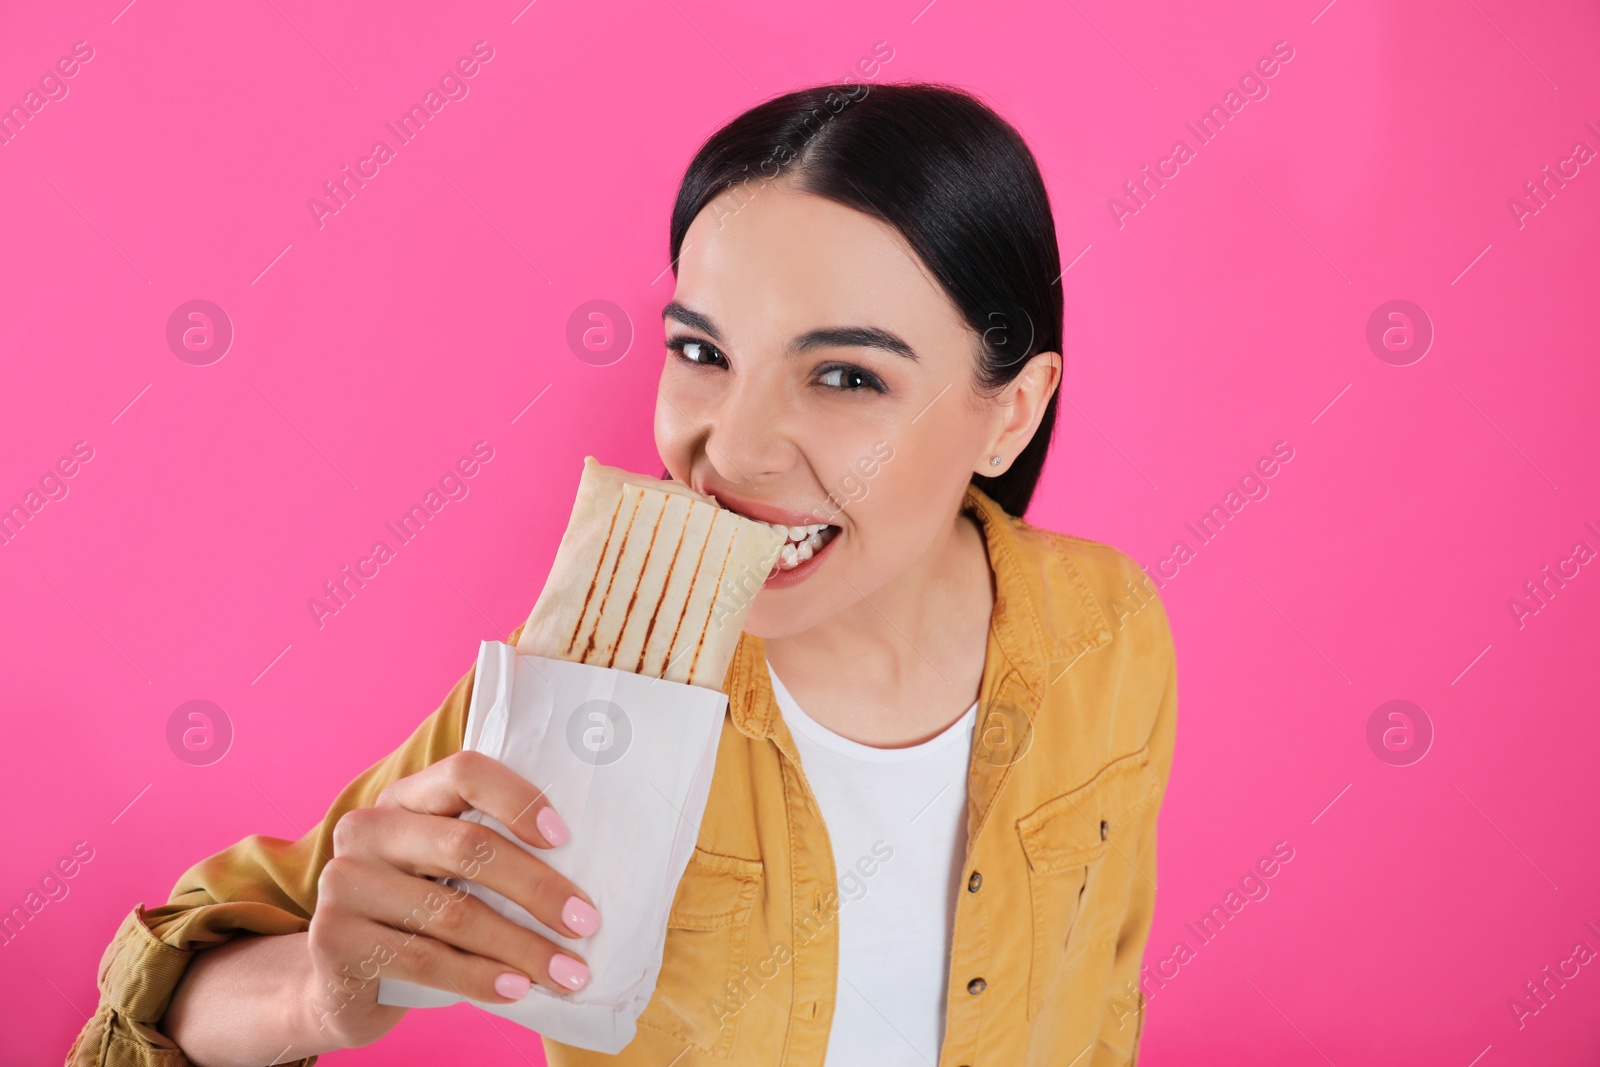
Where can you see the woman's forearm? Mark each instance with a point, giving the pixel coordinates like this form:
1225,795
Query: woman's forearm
247,1003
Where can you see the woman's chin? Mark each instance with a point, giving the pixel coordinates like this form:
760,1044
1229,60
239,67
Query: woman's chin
765,623
769,620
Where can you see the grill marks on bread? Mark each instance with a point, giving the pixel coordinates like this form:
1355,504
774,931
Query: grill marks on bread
640,574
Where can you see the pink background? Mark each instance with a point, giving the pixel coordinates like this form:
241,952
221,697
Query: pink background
1228,314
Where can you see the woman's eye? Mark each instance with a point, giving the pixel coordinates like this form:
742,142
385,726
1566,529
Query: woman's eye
850,379
842,377
692,351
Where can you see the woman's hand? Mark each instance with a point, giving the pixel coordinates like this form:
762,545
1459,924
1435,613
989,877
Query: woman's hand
378,907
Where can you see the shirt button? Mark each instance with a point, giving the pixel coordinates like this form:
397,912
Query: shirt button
1103,829
975,882
976,986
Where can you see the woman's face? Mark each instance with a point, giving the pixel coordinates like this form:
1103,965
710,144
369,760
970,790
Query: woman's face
817,374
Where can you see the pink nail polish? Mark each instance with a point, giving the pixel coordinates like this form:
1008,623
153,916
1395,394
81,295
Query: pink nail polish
565,970
580,916
512,986
550,825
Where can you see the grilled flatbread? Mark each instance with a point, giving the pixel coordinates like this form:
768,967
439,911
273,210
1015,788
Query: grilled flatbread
650,577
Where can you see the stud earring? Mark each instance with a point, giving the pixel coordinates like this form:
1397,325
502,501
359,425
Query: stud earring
994,461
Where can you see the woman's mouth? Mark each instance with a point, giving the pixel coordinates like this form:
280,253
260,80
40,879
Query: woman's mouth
801,543
804,549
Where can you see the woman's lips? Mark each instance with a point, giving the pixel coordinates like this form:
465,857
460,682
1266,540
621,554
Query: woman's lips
768,513
774,515
782,579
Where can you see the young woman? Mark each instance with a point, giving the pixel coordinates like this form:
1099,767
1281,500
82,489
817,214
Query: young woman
931,832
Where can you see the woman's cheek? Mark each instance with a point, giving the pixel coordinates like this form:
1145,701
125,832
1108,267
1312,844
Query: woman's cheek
673,427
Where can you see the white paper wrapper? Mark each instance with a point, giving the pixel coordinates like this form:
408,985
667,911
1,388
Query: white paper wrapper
626,760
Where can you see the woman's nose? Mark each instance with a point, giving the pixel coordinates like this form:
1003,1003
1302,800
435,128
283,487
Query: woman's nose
747,439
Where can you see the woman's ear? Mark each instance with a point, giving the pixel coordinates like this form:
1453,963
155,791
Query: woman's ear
1018,411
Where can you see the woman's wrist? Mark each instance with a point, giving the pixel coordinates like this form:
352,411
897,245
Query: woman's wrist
306,1018
249,1001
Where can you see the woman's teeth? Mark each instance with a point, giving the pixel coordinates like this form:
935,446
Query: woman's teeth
802,542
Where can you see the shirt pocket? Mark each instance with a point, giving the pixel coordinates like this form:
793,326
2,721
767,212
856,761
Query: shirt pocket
705,947
1064,840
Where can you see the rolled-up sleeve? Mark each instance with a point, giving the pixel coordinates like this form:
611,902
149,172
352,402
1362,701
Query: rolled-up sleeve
262,885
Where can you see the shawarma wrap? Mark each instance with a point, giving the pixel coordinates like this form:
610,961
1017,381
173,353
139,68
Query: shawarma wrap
650,577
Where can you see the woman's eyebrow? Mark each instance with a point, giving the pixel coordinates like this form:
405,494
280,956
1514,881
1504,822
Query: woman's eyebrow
692,319
853,337
831,337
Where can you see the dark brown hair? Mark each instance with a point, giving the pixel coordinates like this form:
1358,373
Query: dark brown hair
954,178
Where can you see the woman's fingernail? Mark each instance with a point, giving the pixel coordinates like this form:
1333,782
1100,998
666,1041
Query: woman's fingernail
550,825
512,986
580,916
564,970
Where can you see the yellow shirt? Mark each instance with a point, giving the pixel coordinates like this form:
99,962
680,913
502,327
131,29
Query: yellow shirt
1071,753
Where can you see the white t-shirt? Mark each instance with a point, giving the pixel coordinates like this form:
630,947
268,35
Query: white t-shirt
897,820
